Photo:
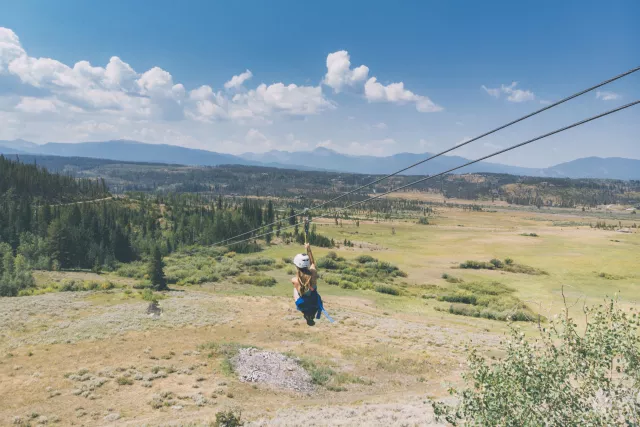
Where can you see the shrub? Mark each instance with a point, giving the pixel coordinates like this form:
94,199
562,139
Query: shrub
610,276
508,261
386,289
477,265
451,279
332,279
124,381
332,255
258,261
423,220
287,260
566,377
327,263
245,248
345,284
257,280
228,419
497,263
134,270
148,295
363,259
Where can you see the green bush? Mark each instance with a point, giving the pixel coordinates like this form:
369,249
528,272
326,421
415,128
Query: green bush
477,265
567,377
497,263
423,220
332,255
134,270
124,381
509,265
327,263
345,284
257,280
245,248
491,300
451,279
386,289
228,419
363,259
258,261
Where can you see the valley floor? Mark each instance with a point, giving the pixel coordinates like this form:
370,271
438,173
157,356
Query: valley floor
98,358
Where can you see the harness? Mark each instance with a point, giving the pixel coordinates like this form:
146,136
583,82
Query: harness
311,302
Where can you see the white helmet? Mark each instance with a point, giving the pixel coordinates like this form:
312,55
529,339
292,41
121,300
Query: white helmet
302,261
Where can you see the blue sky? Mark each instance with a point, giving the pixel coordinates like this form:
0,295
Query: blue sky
163,72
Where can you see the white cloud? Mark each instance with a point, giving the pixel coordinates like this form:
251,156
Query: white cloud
381,125
513,94
237,81
607,96
339,72
36,105
340,75
278,97
153,95
397,94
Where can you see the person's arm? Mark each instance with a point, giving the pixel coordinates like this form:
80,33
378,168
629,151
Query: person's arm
311,260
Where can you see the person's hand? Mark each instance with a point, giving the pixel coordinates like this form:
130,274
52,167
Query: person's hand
307,246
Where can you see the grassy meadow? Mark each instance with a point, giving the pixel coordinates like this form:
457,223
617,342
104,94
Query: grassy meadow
402,303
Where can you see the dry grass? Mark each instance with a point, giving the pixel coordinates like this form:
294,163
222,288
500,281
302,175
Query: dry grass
384,355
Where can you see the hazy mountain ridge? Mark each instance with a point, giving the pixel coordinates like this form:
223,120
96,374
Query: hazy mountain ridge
319,159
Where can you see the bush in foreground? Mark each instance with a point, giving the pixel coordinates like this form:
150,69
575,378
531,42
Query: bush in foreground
567,377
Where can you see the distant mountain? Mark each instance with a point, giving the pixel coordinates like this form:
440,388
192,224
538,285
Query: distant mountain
133,151
319,159
597,167
17,145
327,159
9,150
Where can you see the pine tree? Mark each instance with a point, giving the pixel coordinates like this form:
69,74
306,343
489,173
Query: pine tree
156,271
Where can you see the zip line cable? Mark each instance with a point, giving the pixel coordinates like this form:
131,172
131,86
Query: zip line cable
548,107
513,147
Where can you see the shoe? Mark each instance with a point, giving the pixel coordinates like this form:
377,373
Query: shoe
309,319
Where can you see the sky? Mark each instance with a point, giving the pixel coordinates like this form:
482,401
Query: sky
358,77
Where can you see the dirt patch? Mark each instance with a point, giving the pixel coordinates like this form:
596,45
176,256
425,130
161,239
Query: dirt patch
272,369
411,413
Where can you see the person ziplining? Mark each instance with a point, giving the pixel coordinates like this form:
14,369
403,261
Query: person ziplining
305,283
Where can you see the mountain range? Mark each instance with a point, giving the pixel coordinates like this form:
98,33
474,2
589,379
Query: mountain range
319,159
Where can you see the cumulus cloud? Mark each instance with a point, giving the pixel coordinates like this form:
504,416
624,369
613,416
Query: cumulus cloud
340,75
397,94
36,105
117,89
237,81
607,96
513,94
339,72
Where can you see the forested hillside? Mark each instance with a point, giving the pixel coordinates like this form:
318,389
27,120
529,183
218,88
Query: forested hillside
37,232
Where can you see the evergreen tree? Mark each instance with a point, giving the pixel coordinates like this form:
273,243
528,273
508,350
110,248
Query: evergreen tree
156,271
